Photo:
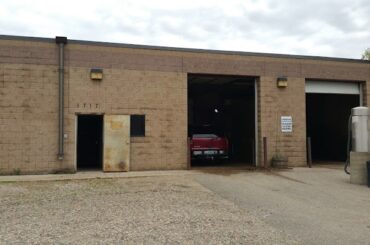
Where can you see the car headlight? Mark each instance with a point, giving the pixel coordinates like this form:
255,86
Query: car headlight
222,152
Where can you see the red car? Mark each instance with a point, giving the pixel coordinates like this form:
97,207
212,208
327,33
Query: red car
209,146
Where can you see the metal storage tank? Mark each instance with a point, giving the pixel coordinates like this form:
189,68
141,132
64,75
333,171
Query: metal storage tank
360,144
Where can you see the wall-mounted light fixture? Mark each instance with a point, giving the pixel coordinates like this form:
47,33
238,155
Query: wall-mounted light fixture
282,82
96,74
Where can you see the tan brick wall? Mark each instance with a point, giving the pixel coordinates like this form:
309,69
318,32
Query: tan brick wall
274,103
161,96
141,81
28,118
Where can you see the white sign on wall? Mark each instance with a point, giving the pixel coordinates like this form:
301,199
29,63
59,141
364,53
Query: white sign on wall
286,124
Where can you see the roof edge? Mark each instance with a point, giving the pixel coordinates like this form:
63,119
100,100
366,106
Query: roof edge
191,50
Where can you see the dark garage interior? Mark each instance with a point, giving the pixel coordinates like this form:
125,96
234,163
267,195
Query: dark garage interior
225,106
89,141
327,124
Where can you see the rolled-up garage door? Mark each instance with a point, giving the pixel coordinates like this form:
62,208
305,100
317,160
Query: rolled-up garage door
332,87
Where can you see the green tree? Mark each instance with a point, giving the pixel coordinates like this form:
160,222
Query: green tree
366,54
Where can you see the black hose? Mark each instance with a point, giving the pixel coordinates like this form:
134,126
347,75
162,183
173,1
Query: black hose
349,144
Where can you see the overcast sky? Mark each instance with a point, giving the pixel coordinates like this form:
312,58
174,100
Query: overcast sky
339,28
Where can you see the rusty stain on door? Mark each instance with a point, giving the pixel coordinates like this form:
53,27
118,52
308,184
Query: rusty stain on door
116,143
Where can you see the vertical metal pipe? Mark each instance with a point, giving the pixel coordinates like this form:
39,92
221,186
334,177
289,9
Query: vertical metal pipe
61,41
309,153
189,154
265,152
254,152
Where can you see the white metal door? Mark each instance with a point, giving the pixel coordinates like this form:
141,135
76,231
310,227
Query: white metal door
116,143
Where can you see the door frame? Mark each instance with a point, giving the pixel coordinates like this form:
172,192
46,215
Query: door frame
256,126
76,136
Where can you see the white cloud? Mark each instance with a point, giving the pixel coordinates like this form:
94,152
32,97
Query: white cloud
313,27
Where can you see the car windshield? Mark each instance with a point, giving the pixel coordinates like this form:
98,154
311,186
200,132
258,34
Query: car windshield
211,136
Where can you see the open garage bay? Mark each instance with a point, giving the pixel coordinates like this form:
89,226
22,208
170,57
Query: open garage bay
224,106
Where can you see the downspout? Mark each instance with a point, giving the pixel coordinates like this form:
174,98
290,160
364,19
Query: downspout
61,41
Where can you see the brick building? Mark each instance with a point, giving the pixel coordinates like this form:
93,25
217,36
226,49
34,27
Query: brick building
139,115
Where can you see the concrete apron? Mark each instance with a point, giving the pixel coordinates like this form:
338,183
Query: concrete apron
93,175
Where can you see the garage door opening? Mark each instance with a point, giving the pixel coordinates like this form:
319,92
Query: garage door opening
221,108
89,142
327,117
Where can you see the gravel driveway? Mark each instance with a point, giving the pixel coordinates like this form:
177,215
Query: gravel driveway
152,210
